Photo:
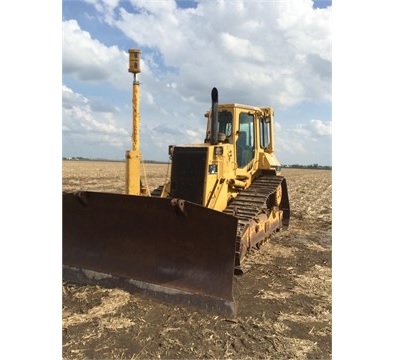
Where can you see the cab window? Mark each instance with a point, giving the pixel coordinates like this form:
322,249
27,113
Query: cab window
245,141
264,132
225,122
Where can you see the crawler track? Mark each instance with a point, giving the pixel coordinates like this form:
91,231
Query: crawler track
249,207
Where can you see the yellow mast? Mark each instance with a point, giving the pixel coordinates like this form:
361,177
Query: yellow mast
133,157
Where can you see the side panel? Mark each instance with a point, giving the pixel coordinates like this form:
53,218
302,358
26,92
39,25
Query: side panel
164,245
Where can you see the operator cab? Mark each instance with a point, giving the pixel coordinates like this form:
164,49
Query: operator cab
241,132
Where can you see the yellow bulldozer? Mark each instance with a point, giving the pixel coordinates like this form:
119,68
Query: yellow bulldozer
186,240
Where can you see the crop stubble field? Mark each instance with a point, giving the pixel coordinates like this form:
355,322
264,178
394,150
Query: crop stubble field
284,300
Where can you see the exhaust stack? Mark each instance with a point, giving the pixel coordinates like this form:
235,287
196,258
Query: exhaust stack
214,117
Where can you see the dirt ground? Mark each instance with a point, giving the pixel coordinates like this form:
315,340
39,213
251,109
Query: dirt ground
284,301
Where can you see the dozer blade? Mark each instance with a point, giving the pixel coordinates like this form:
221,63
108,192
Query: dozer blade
176,250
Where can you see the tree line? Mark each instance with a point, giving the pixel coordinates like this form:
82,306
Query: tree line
293,166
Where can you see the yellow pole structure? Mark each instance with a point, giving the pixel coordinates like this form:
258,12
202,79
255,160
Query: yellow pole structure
136,115
133,157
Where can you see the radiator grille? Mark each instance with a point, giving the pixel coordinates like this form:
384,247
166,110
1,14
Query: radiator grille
188,173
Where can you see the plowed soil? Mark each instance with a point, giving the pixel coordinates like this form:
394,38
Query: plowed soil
284,301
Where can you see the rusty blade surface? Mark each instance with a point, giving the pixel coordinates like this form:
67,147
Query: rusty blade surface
170,244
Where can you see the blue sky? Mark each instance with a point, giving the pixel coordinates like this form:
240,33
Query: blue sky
262,53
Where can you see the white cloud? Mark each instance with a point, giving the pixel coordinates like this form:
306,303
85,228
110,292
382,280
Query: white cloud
243,47
80,121
305,143
313,129
87,59
285,46
105,7
321,128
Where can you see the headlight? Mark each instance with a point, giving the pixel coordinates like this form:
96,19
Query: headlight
218,150
213,169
